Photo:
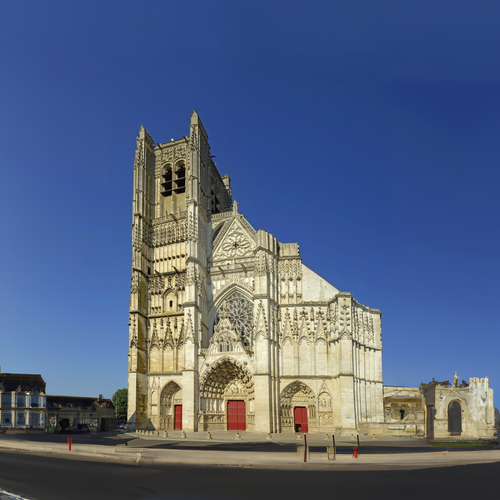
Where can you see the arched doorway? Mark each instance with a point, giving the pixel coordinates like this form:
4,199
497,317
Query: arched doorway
298,408
171,407
455,418
227,396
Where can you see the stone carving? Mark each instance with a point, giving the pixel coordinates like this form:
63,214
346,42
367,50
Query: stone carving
345,322
236,244
192,274
233,241
239,278
260,322
290,269
297,388
202,231
156,284
215,380
219,233
139,155
261,266
286,330
333,318
135,286
225,338
166,233
171,154
193,227
194,137
324,402
234,389
189,329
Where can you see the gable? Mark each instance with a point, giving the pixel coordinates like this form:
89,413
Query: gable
236,242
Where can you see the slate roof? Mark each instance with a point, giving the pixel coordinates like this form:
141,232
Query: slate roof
70,402
26,382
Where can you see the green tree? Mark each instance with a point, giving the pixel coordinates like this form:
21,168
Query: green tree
120,400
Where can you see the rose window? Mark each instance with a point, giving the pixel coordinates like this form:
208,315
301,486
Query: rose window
239,310
236,245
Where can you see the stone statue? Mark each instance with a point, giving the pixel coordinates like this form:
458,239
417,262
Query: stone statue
455,380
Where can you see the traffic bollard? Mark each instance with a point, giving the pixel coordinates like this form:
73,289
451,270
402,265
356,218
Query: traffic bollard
69,443
355,452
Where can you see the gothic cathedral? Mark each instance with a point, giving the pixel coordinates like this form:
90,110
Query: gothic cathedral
229,329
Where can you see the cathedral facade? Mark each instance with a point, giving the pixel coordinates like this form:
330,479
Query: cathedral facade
228,328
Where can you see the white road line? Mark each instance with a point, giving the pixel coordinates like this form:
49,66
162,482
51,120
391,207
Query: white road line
9,496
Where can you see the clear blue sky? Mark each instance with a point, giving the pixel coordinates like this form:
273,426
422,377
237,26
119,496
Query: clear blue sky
368,131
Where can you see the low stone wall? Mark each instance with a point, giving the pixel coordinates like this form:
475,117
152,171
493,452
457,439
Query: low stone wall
20,430
392,429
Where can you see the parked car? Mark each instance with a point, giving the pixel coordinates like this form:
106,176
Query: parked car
78,429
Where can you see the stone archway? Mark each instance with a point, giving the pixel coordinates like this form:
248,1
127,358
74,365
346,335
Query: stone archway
226,380
295,395
455,418
171,396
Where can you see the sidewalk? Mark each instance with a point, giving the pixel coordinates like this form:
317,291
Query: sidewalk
284,451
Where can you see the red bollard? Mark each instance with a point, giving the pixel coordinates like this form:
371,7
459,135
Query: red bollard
355,452
69,443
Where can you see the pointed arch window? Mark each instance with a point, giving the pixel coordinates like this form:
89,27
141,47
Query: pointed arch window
239,310
225,343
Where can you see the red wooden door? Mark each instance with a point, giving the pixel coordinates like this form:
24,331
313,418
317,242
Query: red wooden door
178,417
300,419
236,416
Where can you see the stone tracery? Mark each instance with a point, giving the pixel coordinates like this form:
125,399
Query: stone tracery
239,310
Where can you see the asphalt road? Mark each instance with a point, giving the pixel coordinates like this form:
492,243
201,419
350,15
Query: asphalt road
47,478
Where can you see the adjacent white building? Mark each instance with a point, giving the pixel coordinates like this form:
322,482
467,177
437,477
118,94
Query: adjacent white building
22,401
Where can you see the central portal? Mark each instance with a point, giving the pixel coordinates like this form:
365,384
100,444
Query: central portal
227,396
236,416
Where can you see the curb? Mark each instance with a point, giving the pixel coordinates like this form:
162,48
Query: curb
257,460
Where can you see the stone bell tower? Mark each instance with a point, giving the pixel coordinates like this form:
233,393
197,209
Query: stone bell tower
176,190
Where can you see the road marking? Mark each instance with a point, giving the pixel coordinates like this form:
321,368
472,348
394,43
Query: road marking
9,496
